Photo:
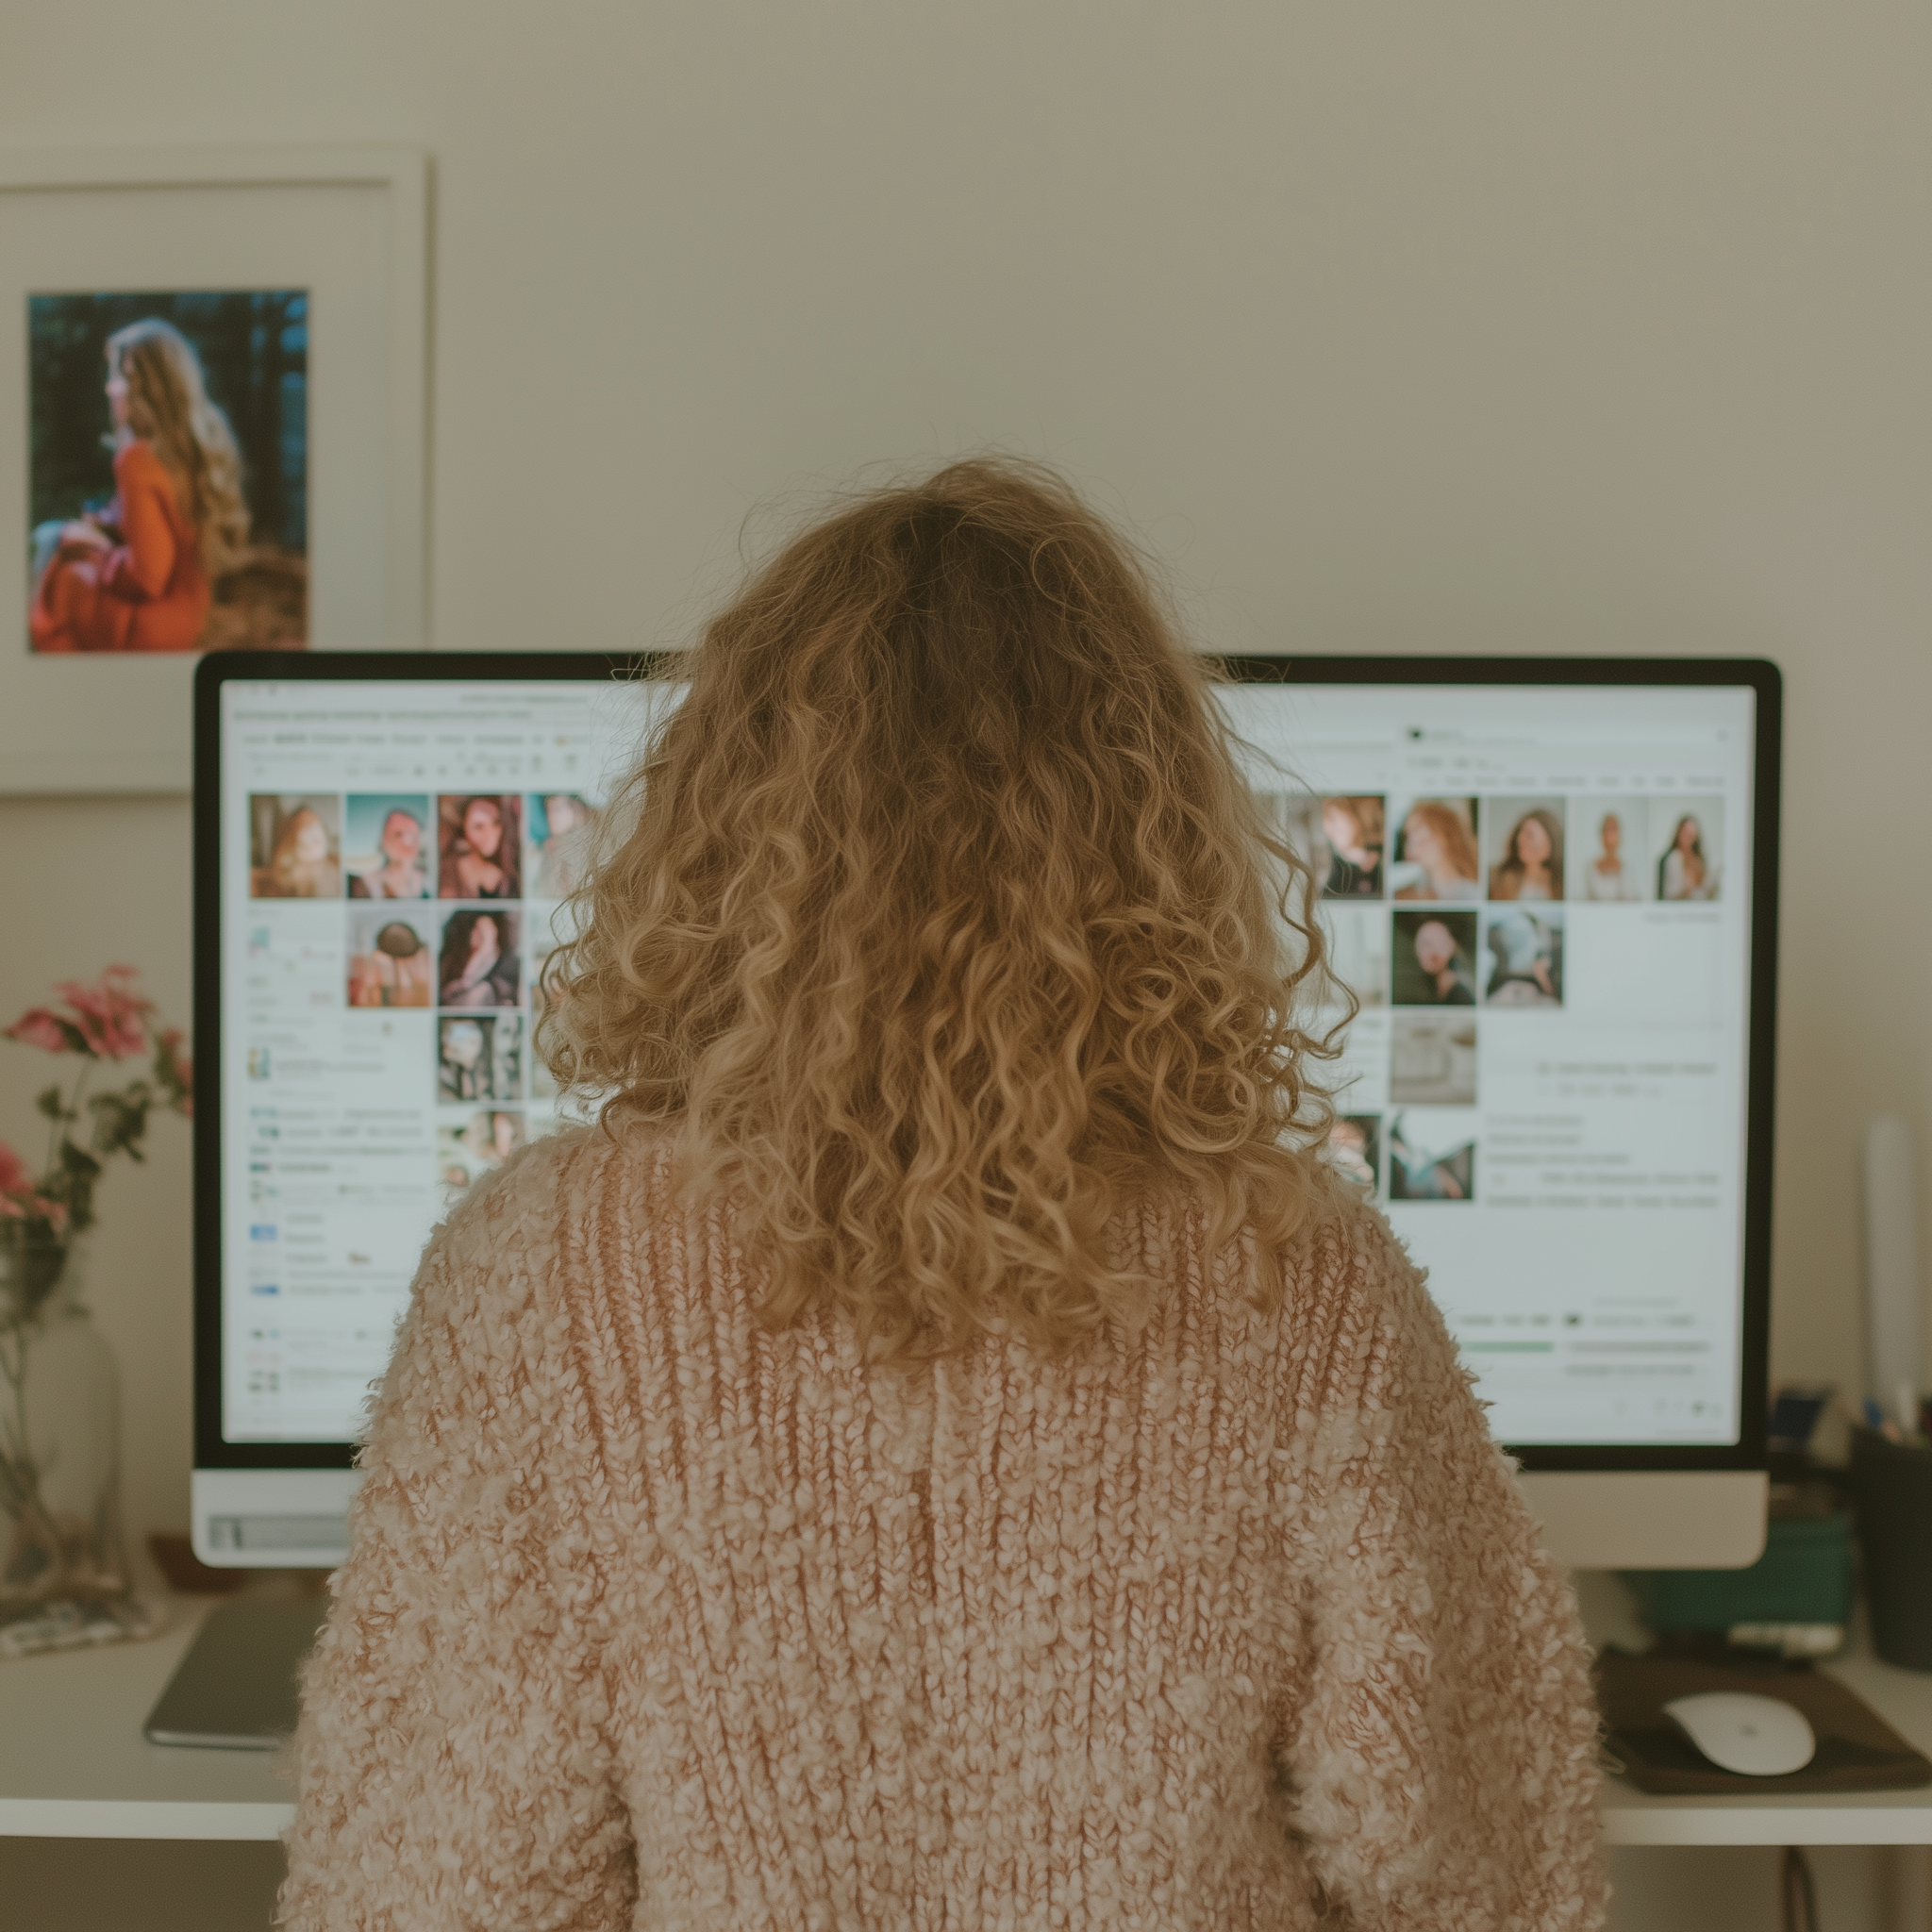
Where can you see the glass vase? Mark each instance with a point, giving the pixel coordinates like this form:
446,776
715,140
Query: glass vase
64,1578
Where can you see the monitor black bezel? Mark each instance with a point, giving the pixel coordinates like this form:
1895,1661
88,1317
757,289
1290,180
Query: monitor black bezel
1763,677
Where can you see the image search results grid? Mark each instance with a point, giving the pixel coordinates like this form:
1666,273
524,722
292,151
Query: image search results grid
1538,898
395,859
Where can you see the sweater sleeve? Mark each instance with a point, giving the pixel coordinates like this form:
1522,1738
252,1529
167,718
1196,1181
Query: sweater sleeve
1442,1748
452,1761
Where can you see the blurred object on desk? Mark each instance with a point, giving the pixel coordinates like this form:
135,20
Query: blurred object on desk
1794,1601
188,1575
1892,1493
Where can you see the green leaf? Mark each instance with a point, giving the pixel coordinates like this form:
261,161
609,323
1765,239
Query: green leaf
78,1162
119,1121
49,1104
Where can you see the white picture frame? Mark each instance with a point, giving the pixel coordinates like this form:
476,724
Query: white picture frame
348,223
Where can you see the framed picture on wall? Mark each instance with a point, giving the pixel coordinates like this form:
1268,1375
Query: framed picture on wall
213,397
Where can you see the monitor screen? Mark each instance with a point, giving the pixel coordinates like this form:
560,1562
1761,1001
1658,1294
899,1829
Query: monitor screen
1541,898
1539,894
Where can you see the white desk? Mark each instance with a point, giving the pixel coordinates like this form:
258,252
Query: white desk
73,1765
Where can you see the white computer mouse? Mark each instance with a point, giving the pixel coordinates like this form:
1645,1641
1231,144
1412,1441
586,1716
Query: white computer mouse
1739,1730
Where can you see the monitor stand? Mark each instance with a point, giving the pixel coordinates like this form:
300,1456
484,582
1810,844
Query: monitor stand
234,1690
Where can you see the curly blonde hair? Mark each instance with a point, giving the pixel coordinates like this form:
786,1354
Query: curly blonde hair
942,918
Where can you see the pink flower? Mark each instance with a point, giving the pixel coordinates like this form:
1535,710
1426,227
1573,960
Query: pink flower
38,1027
21,1207
111,1015
14,1178
18,1200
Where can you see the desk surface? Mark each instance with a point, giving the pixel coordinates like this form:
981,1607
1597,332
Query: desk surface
73,1765
1902,1698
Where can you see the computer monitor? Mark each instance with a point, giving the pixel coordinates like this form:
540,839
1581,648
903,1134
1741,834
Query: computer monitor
1549,884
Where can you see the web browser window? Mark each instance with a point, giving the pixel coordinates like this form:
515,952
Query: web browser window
1539,896
394,858
1541,899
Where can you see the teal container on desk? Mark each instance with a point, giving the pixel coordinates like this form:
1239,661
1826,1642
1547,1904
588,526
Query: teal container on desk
1804,1576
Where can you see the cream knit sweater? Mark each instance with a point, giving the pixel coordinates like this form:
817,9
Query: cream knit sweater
653,1618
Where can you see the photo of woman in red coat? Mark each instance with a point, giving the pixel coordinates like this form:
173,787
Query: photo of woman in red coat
137,576
196,539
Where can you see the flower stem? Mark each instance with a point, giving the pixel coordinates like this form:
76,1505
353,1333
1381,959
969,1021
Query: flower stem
87,1067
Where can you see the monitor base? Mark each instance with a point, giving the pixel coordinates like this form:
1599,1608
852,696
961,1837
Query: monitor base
272,1519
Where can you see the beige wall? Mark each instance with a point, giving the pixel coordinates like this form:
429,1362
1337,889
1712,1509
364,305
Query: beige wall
1489,327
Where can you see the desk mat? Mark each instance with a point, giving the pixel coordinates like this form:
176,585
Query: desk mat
1858,1751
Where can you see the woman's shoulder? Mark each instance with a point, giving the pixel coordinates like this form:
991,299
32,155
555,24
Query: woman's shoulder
1346,1263
516,1216
136,461
1345,1219
541,1201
